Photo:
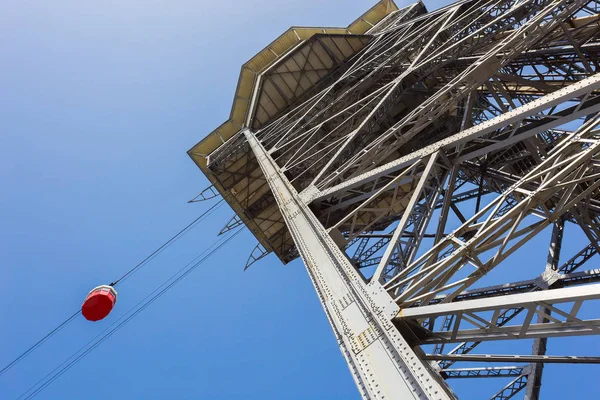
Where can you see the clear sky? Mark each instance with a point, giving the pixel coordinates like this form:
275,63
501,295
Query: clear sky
99,102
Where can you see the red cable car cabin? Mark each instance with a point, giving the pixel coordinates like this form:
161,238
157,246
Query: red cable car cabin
99,303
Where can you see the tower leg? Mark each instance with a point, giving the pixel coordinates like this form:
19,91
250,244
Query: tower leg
381,361
534,382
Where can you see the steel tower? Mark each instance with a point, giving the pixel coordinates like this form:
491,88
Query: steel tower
404,159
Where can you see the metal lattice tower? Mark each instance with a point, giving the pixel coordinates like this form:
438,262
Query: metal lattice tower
404,159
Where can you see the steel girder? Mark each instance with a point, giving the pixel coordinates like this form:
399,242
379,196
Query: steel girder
485,372
481,328
487,358
381,361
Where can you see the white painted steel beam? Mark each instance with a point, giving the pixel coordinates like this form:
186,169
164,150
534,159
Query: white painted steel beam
382,363
526,300
513,358
472,320
485,372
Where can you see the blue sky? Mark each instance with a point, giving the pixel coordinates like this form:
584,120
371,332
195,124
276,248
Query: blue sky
98,105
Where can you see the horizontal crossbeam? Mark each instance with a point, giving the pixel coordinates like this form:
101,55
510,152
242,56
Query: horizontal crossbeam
513,358
472,320
486,372
564,280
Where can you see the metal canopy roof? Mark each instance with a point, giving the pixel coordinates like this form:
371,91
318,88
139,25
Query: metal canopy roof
301,69
266,58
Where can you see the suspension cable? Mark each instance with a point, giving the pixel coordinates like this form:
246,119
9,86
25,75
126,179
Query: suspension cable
38,343
128,316
168,243
142,263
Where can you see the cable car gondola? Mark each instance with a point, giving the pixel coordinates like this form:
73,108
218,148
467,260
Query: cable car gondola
99,303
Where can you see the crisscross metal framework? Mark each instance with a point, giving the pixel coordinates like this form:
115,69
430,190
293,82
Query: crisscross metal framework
414,169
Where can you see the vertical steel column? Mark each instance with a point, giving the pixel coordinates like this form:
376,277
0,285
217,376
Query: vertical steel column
382,363
534,380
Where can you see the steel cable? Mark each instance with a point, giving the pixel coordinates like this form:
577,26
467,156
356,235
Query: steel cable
128,316
145,261
39,343
168,243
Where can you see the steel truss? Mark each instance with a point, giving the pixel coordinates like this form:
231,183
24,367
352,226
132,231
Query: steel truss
418,167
